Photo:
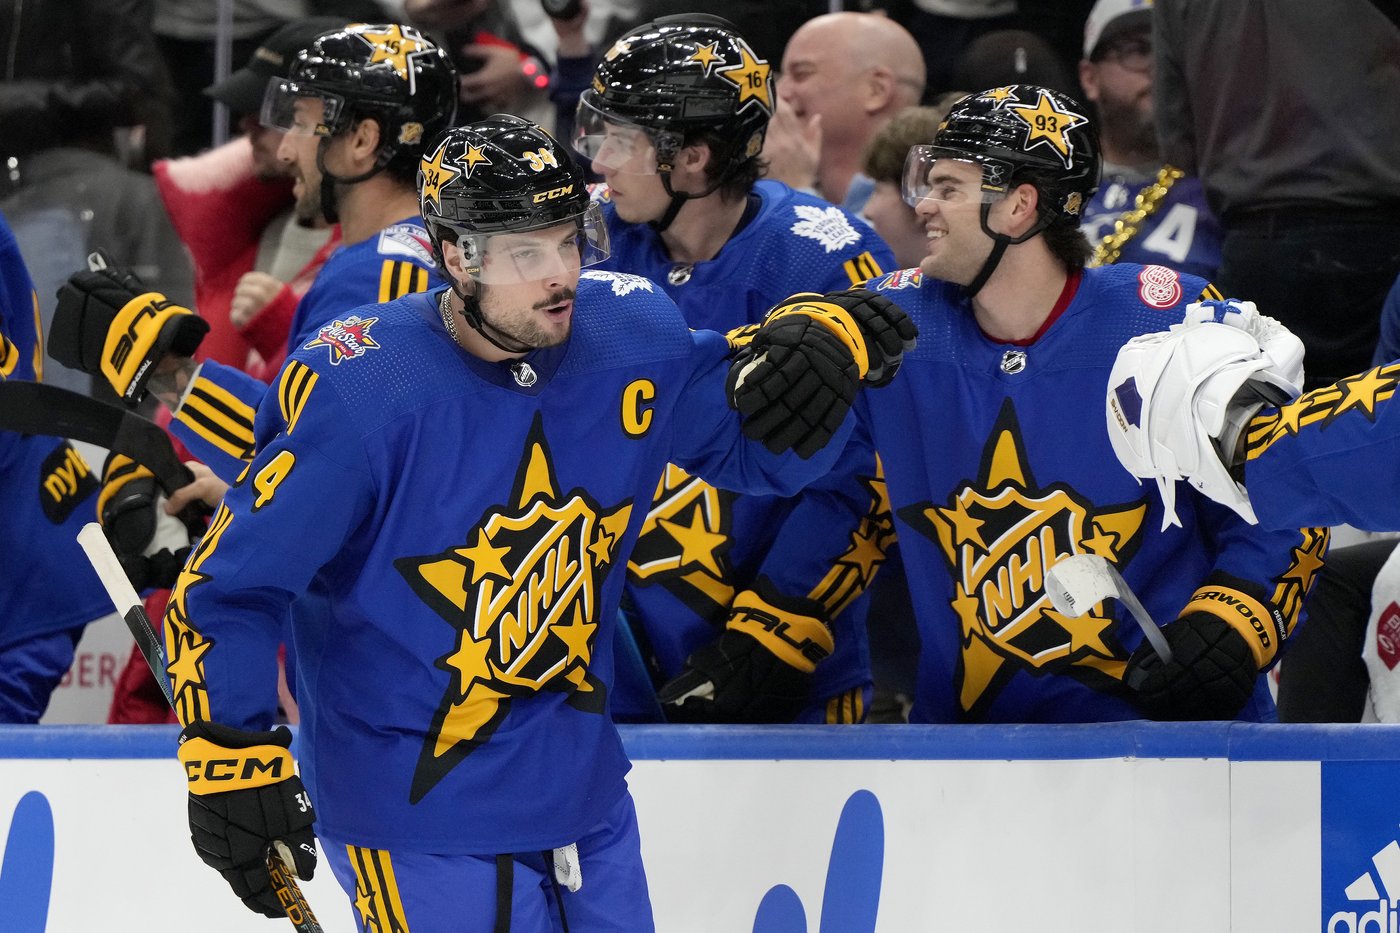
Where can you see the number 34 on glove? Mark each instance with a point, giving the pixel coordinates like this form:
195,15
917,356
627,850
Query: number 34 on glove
796,375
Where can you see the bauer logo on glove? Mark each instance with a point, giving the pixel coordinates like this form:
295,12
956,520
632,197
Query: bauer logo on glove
107,321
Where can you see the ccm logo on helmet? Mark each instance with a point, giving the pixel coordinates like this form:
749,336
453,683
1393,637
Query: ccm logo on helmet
551,195
233,769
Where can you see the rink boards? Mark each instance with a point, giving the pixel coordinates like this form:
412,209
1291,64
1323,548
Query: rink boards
876,829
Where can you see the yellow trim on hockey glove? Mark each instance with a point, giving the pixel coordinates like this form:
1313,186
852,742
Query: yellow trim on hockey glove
797,640
213,769
120,471
126,351
836,319
1260,623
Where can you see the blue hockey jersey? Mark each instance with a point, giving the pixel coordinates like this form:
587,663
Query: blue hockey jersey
701,546
1180,233
998,464
215,420
1331,456
47,491
466,524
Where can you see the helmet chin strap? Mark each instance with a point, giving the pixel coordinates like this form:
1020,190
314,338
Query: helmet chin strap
330,208
678,199
471,311
1000,242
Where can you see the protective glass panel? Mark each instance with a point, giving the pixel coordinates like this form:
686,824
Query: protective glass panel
613,144
951,176
535,255
294,109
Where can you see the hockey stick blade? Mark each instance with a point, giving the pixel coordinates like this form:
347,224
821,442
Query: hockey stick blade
128,604
1078,583
35,408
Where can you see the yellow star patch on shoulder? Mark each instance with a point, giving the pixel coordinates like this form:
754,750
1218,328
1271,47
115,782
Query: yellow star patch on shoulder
393,46
752,77
474,157
436,176
1048,125
707,56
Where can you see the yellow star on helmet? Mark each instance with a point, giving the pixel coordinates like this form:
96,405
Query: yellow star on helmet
751,77
392,46
997,94
474,157
708,56
1048,125
436,176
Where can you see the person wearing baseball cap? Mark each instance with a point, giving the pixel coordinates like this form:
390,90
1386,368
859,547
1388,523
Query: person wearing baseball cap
1172,226
242,91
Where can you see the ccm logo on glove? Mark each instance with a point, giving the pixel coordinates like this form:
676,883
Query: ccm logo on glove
211,769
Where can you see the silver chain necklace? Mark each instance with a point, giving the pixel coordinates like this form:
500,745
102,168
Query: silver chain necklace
449,320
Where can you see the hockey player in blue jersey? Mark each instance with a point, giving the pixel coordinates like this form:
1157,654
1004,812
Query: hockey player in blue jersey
47,493
998,464
461,488
684,207
358,105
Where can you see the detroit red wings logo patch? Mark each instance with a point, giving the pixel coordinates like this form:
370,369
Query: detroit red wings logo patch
1159,286
346,340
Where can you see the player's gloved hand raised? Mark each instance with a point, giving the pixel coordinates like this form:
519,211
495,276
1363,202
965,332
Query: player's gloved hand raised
244,797
796,374
108,321
1224,637
150,543
758,670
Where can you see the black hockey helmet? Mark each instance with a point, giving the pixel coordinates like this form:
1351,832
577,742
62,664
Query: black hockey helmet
504,175
677,76
1018,134
390,73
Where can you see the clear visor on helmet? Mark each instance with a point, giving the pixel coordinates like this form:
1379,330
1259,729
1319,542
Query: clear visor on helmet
556,250
613,144
292,108
938,174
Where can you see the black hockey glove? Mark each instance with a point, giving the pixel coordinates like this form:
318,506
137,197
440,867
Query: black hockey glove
758,670
151,545
887,331
1224,637
794,384
108,322
244,797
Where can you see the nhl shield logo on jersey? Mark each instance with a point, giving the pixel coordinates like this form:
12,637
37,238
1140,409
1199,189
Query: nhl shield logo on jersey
522,592
999,534
346,340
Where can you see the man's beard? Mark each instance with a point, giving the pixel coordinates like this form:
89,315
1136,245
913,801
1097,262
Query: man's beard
1130,129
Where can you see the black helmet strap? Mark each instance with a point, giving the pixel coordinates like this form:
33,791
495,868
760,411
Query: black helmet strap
330,207
1000,242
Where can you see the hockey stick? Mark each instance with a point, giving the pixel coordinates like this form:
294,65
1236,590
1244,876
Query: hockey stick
1076,584
119,589
35,408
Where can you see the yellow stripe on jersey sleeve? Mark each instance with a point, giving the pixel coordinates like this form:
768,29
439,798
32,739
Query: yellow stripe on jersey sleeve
219,417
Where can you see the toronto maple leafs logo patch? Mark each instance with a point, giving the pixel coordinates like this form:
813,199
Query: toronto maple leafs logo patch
827,225
621,282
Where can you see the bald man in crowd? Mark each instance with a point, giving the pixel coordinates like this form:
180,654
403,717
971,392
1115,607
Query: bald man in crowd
844,76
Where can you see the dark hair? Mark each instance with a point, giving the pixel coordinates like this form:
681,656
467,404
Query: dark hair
1067,243
741,178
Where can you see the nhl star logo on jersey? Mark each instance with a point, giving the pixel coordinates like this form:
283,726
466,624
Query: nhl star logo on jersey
827,225
346,340
1013,362
524,374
